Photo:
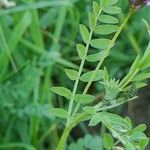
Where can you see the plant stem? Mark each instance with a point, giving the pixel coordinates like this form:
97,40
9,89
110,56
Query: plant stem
109,48
73,122
128,78
101,61
78,78
63,138
80,71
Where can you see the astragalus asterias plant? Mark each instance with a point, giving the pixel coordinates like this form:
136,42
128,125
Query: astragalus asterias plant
102,23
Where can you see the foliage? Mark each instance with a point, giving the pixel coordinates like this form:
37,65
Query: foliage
37,54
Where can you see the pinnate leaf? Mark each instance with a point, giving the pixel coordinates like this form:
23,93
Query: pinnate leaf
141,76
100,43
72,74
108,141
61,113
129,146
111,2
111,121
107,3
98,56
95,8
112,10
98,76
81,51
95,119
89,110
139,128
137,136
62,91
84,33
92,21
108,19
84,98
106,29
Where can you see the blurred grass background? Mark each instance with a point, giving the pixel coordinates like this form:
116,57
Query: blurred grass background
37,42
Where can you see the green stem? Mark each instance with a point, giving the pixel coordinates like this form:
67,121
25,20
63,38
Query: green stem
80,71
128,78
109,48
101,61
78,78
112,106
63,138
82,116
73,122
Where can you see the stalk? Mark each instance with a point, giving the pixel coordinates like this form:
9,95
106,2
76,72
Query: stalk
80,71
72,122
108,50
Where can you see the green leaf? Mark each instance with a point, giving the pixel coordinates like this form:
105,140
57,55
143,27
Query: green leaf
137,136
95,119
62,91
135,63
139,128
72,74
108,141
112,10
100,43
146,25
61,113
89,142
92,22
139,85
98,76
84,98
98,56
108,19
106,29
145,59
107,3
84,33
103,3
106,75
141,77
112,89
89,110
96,9
81,51
128,120
111,121
129,146
111,2
143,143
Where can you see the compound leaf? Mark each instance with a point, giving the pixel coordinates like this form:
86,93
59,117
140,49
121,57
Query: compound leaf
61,113
84,33
72,74
62,91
